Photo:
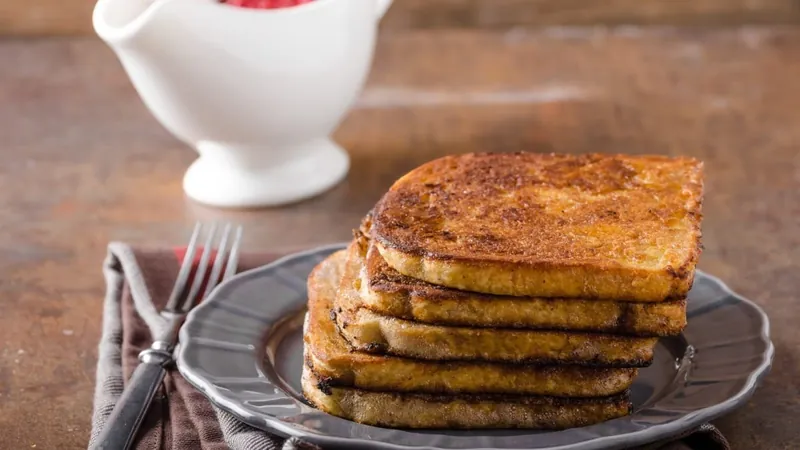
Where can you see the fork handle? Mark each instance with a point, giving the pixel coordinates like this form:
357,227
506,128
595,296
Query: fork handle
127,416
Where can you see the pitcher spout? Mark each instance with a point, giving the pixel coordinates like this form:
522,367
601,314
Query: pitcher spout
118,21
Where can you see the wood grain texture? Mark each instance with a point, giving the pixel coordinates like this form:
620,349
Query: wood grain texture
509,13
85,163
73,17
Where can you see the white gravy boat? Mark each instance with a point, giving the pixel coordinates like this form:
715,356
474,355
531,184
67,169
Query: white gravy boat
256,92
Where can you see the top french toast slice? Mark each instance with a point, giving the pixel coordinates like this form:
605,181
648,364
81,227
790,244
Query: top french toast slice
614,227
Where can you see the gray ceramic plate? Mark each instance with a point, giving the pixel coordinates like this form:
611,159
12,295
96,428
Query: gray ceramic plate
243,349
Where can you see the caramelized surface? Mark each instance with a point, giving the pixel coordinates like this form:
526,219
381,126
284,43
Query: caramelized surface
371,332
333,360
387,291
587,226
393,410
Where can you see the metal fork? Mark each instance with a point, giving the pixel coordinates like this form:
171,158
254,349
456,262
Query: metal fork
127,416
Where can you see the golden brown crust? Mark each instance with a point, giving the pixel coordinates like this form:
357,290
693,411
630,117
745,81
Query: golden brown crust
388,292
375,333
396,410
337,365
597,226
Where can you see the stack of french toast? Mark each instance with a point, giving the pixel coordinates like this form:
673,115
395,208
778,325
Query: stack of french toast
505,291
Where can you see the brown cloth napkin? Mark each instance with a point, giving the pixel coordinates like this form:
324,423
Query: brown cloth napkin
139,282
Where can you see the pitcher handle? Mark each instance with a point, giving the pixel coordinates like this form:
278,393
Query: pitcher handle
383,5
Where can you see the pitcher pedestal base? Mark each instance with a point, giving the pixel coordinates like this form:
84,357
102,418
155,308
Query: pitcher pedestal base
231,178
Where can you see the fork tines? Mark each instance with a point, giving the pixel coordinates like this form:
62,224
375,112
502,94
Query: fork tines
227,256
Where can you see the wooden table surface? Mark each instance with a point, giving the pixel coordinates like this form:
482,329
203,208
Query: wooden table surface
73,17
84,163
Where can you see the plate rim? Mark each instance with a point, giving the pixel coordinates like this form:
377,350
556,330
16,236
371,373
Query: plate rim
286,429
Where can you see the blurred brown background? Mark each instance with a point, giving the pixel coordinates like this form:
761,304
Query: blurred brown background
85,163
72,17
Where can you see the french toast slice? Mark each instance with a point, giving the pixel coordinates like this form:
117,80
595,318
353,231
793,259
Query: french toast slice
613,227
335,363
464,411
386,291
375,333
